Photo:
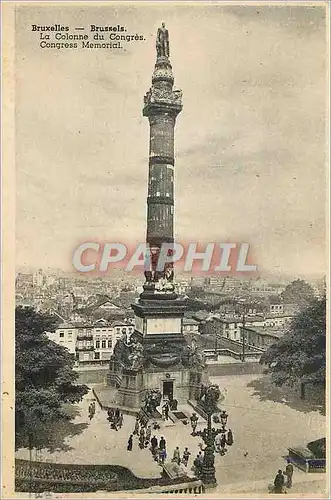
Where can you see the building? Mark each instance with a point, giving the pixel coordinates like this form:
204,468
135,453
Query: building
261,337
38,278
65,335
104,341
84,344
230,326
91,343
276,308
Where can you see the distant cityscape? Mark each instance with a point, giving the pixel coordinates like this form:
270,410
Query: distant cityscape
227,314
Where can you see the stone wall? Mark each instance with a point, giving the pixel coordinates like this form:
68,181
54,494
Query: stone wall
217,370
96,375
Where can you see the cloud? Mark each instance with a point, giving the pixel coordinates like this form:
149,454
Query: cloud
249,143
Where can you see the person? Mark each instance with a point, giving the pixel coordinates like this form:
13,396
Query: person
229,439
222,444
194,422
90,411
117,413
110,413
130,443
288,473
136,427
166,411
279,482
120,420
162,455
162,443
197,465
142,438
176,456
217,443
153,444
174,404
200,455
148,434
186,456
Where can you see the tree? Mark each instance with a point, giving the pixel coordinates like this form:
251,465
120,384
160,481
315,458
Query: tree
300,355
44,377
298,292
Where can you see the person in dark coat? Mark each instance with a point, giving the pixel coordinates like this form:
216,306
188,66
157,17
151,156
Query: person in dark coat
130,442
136,427
197,465
162,444
229,439
194,422
117,413
153,444
142,438
279,482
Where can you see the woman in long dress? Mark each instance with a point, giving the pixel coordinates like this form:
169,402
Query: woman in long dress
130,442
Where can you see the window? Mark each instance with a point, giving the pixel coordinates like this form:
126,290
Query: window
97,344
103,344
61,334
110,344
97,355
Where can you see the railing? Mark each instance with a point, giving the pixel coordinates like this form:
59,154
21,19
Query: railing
192,488
41,477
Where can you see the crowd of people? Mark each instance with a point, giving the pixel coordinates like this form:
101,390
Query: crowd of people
157,446
115,418
223,439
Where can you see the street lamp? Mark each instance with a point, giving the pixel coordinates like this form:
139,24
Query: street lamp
208,435
242,302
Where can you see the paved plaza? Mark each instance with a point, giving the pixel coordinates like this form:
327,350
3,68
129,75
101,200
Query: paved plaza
263,430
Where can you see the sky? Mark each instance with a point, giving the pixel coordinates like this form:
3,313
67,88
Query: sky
250,143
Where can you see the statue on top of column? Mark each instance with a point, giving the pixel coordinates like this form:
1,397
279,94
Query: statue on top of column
162,42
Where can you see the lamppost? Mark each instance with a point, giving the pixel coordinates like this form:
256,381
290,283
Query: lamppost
244,337
242,328
209,404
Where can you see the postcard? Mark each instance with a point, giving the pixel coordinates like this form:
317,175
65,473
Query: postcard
165,233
